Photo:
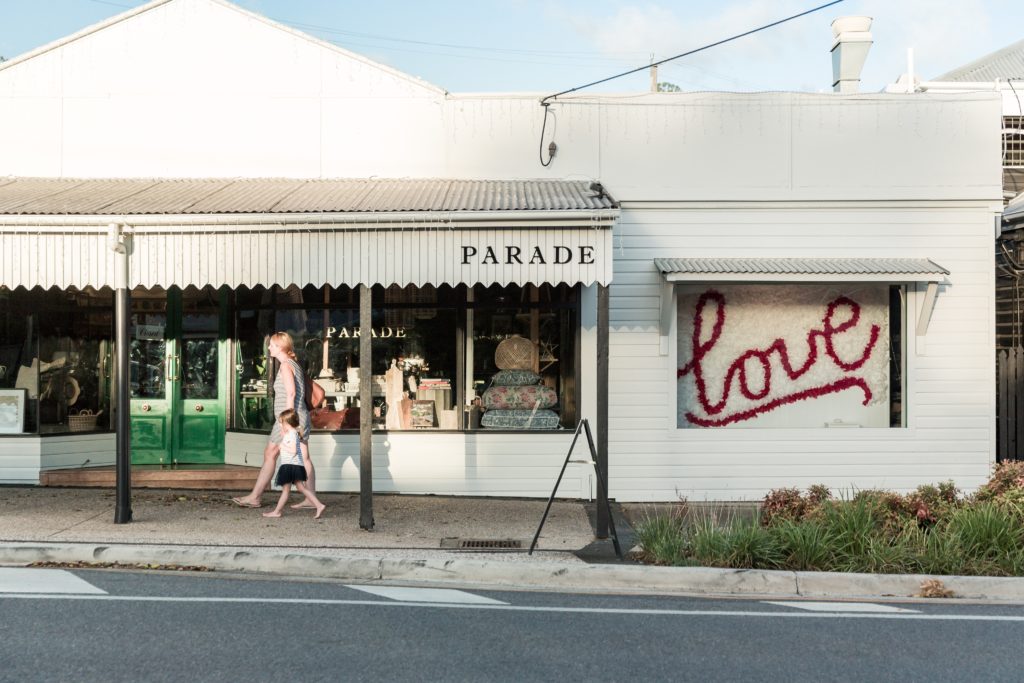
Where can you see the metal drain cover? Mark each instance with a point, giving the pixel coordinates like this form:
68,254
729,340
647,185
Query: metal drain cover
481,544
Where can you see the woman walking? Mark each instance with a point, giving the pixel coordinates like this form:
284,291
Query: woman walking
289,393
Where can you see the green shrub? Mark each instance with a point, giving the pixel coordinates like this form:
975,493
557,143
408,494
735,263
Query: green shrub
788,504
806,546
1006,475
707,543
986,531
782,504
748,545
663,538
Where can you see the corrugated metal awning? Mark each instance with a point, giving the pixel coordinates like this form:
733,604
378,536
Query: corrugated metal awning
133,196
800,269
796,270
53,232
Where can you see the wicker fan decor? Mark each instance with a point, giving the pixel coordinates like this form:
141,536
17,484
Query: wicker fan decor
515,353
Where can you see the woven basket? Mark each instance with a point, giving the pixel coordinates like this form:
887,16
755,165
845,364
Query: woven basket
84,421
515,353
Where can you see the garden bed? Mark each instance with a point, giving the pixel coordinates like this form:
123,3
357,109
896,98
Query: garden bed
933,530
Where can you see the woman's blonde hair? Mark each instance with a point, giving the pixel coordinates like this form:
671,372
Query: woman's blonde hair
284,340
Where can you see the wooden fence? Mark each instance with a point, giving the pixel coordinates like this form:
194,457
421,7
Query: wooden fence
1009,403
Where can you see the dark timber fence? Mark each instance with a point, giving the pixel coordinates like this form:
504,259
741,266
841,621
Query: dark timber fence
1009,403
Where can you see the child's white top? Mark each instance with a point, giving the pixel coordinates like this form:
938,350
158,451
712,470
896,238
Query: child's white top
291,453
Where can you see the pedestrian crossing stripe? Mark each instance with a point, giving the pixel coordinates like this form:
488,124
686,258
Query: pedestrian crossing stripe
448,596
844,607
44,581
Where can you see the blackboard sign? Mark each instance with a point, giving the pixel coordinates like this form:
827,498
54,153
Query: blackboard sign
422,414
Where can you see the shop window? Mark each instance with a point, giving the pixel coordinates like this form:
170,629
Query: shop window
790,356
55,351
522,352
430,344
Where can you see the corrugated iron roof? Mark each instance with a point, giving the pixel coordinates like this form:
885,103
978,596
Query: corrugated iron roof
1004,64
130,196
799,266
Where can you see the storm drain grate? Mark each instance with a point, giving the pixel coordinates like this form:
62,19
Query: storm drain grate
481,543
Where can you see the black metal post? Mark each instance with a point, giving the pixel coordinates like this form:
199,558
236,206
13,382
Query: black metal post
602,491
602,410
122,426
365,408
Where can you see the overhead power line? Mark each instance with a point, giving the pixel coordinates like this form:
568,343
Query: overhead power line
546,103
691,52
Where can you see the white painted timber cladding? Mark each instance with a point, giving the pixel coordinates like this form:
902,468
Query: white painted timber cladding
22,458
950,390
443,464
19,460
350,257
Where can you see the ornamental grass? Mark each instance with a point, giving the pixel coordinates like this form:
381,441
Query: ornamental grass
932,530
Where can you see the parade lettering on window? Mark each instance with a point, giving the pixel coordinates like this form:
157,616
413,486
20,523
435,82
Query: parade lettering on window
748,350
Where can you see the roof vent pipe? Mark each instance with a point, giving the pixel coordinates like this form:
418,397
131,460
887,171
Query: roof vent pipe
849,51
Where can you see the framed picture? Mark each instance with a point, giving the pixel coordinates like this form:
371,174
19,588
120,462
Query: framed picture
422,414
12,410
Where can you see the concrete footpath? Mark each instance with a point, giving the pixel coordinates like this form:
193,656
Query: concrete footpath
416,539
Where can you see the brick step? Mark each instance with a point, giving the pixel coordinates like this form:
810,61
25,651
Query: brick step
219,477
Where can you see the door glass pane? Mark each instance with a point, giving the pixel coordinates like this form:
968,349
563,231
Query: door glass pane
148,351
199,367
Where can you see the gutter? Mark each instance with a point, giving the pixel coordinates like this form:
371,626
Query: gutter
312,222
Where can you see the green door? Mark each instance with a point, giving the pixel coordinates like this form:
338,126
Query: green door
178,377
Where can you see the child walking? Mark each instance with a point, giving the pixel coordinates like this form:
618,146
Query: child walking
294,468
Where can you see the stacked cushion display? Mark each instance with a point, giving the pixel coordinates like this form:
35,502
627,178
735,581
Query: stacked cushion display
515,378
520,419
517,400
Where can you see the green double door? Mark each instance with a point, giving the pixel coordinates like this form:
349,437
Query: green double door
178,377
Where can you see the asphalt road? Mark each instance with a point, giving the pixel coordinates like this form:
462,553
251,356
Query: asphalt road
107,625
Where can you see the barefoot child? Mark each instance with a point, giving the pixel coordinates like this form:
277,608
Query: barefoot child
295,465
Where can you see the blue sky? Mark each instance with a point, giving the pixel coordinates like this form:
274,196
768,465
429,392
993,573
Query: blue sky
554,45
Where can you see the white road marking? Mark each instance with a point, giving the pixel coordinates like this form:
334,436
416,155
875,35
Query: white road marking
844,607
28,580
441,595
528,608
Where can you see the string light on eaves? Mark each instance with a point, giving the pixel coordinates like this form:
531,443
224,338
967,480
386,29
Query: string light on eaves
545,101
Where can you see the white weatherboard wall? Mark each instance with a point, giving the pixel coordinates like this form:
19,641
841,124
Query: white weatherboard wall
451,464
950,388
22,458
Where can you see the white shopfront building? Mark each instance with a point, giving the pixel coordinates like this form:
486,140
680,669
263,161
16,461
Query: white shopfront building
801,286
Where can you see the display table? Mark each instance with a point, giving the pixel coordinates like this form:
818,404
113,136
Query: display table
349,399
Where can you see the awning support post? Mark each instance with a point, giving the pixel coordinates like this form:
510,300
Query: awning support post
603,322
365,409
926,308
924,317
118,243
665,321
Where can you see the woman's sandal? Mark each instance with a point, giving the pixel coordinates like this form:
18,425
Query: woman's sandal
243,503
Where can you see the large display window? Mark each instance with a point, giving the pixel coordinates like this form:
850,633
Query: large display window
55,360
790,356
436,362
